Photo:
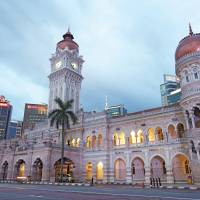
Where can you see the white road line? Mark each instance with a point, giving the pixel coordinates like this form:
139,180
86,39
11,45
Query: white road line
111,194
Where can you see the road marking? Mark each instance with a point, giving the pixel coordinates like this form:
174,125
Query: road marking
111,194
32,195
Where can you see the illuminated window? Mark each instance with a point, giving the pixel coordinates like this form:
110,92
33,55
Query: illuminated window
121,138
73,142
89,171
133,139
140,136
100,171
88,142
151,135
22,170
78,140
116,139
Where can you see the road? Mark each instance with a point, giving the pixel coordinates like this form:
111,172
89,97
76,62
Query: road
51,192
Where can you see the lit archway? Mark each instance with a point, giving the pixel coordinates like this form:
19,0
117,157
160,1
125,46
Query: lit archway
138,172
180,130
151,135
89,171
4,170
20,168
172,132
158,169
88,142
68,166
115,139
181,168
122,138
133,138
73,142
120,169
37,170
140,136
99,171
78,140
159,133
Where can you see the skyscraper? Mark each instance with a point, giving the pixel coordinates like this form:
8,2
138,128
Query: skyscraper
170,90
34,113
5,115
14,129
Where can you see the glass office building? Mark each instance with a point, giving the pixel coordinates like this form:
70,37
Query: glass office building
170,90
5,115
33,114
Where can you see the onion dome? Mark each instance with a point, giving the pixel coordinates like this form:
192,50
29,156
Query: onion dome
188,45
67,42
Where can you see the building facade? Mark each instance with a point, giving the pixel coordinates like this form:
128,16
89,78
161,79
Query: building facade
5,116
163,142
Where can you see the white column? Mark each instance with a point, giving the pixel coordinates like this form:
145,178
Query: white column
170,176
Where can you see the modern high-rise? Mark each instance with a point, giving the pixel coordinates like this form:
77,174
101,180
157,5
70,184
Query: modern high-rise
33,114
170,90
14,129
5,115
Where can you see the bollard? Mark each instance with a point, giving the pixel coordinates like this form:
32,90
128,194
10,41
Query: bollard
153,182
156,182
159,181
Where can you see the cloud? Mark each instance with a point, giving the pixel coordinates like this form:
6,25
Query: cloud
127,46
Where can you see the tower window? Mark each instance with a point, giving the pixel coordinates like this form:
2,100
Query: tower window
187,79
196,75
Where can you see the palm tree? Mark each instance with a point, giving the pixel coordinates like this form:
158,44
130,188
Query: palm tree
62,116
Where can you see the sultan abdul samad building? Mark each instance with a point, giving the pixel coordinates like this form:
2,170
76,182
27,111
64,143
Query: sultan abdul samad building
162,142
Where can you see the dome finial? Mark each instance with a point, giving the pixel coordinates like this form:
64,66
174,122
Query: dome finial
190,29
68,30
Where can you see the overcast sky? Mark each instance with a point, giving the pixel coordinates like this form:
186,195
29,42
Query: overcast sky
127,47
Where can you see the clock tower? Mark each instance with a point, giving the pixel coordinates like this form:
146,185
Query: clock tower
65,77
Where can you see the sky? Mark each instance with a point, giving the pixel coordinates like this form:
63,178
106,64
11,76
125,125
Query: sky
127,46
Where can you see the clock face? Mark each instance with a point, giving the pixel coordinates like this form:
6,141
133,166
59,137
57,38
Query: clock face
58,64
74,65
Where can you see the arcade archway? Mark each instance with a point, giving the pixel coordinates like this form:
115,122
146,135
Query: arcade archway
37,170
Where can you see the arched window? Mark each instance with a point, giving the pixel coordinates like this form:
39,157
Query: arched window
151,135
99,140
116,139
73,142
121,138
93,141
197,117
180,130
89,172
78,140
171,131
88,142
187,77
160,135
195,73
99,171
140,136
133,138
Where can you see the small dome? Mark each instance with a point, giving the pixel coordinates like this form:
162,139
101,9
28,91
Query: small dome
67,42
188,45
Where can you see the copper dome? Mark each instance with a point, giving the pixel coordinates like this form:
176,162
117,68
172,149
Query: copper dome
188,45
67,42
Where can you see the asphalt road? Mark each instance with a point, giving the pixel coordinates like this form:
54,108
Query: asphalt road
51,192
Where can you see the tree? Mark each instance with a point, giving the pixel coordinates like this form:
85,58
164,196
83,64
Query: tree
61,117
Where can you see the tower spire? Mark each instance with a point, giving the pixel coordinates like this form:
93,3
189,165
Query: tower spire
190,29
106,103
